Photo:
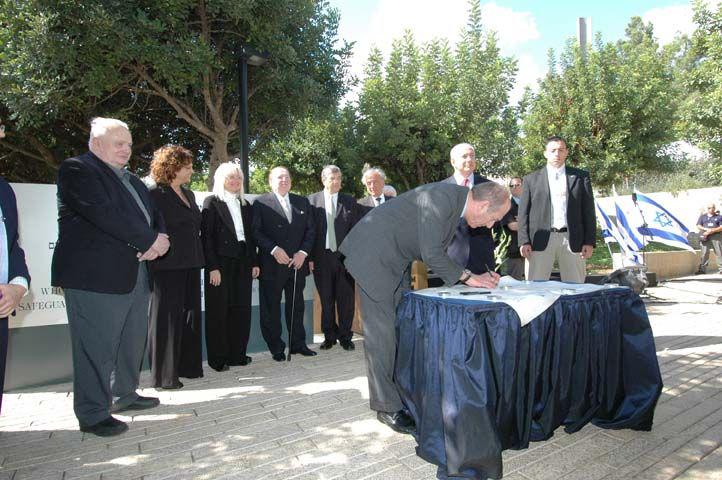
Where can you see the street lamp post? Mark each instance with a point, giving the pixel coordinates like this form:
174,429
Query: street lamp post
248,56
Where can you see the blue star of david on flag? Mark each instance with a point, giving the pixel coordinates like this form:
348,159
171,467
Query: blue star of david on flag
663,220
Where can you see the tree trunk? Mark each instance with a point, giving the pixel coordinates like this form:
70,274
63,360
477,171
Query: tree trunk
219,154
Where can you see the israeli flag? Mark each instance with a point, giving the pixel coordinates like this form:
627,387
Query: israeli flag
662,226
629,222
611,234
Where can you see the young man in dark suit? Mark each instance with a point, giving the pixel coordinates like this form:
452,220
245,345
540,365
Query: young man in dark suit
14,276
284,232
334,214
556,217
107,228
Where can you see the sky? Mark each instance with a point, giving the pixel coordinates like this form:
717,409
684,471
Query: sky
526,29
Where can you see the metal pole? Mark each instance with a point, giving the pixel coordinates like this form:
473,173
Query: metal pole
243,117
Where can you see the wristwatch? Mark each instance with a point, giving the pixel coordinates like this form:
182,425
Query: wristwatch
466,274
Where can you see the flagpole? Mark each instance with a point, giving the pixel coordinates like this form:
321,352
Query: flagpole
644,226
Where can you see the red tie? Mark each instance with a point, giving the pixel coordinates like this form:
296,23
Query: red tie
466,182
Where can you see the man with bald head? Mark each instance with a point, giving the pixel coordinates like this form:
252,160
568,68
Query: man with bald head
284,231
710,237
108,228
379,250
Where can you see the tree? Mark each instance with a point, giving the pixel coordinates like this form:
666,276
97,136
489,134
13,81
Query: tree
179,55
425,99
701,112
615,104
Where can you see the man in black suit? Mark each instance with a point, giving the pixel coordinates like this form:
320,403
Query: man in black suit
107,229
374,179
514,262
284,232
334,214
14,276
556,217
471,247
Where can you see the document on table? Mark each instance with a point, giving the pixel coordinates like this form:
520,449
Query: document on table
528,299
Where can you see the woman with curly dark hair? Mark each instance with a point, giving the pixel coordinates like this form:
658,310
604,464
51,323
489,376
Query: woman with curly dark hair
174,328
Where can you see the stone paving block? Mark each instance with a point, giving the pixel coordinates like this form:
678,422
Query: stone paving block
709,468
630,470
630,450
530,456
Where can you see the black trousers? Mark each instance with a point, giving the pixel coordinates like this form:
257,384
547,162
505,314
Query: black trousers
228,313
336,289
174,327
3,355
274,283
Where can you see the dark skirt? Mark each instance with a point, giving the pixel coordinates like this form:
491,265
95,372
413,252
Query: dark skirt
174,328
228,313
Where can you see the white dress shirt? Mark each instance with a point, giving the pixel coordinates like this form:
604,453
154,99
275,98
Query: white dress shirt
234,206
331,205
460,179
558,194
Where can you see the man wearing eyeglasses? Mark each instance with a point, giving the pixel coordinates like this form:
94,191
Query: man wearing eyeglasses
514,262
710,236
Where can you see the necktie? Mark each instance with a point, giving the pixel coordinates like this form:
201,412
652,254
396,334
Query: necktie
466,182
287,209
330,217
378,201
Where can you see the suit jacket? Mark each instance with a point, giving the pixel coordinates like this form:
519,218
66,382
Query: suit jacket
183,226
512,214
368,201
476,245
101,228
535,210
271,228
348,211
417,225
16,256
219,233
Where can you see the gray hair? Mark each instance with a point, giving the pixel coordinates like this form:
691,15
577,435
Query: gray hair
391,191
371,170
219,180
491,192
99,127
329,170
457,150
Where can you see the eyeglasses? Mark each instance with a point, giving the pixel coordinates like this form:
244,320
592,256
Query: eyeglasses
512,185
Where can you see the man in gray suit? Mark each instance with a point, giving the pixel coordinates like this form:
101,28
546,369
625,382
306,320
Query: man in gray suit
374,179
556,218
417,225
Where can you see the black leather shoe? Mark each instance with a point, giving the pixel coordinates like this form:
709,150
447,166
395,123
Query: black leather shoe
305,351
327,344
140,403
245,360
106,428
279,357
348,345
398,421
222,368
173,386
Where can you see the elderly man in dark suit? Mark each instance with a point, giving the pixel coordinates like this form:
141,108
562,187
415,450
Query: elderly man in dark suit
417,225
556,218
374,179
471,247
334,214
284,232
14,276
107,229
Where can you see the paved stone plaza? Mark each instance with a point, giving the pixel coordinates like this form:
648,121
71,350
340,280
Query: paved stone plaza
310,420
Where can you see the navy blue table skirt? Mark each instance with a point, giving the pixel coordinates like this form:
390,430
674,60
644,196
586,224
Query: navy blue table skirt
477,382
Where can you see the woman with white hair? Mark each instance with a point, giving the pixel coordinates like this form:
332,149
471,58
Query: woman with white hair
231,266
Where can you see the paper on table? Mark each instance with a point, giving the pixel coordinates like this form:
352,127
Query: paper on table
528,299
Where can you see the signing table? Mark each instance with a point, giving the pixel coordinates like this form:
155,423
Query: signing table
486,372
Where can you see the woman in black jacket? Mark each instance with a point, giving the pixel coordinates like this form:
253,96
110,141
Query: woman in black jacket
231,266
174,330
